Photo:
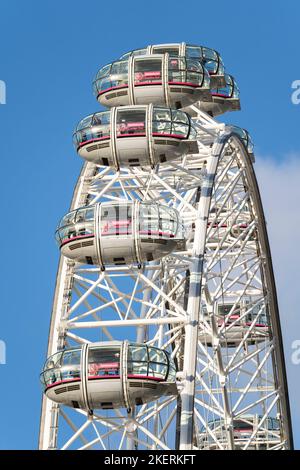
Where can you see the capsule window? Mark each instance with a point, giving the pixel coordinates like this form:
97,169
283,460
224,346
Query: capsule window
62,366
180,124
134,53
117,77
119,67
100,125
161,123
180,116
167,222
104,361
104,71
94,127
53,361
172,51
193,52
131,122
85,214
147,71
149,220
68,219
230,90
177,70
70,365
210,53
235,90
194,73
211,60
86,122
175,123
137,353
257,310
116,220
242,425
157,355
72,357
76,224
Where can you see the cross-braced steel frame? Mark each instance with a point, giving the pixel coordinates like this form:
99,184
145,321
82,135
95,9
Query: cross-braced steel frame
227,369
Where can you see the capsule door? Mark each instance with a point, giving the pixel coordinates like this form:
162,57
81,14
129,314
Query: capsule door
116,234
131,137
104,377
148,80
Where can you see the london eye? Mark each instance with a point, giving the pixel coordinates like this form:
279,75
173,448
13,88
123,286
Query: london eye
165,330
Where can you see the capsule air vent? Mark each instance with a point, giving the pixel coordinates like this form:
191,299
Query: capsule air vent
181,90
71,388
143,385
103,145
87,243
60,390
175,143
75,246
114,95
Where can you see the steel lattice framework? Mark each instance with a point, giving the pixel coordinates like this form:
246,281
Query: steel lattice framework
225,371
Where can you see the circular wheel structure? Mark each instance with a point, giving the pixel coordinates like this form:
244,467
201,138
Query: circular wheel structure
165,330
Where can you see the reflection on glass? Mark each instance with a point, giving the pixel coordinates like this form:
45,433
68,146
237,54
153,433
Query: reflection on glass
147,71
62,366
91,128
136,52
131,122
149,219
76,224
172,51
171,122
188,71
104,362
116,220
114,75
230,90
249,313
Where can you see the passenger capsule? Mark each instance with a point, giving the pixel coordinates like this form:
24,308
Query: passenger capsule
236,321
158,79
210,58
225,98
108,375
120,233
266,435
135,136
245,138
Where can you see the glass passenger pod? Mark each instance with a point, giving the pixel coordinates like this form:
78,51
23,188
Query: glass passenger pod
158,79
210,58
120,233
237,224
135,136
226,98
234,321
92,376
245,137
267,435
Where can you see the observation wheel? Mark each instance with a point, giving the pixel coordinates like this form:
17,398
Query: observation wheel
165,331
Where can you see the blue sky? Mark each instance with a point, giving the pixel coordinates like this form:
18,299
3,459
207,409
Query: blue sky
50,52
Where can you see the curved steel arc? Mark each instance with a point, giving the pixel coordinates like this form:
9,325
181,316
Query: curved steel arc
161,307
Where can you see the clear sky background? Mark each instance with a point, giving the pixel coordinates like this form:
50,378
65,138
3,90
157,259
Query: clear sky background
50,52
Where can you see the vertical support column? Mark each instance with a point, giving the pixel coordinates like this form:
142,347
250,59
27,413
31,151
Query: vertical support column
193,308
